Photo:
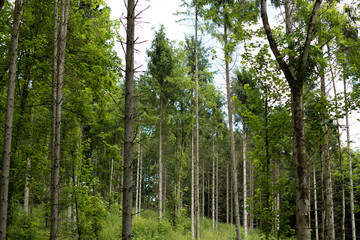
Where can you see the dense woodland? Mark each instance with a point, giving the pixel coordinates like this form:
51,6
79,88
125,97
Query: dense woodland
94,149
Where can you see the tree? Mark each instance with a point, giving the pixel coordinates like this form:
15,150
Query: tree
295,80
9,119
57,90
160,67
129,122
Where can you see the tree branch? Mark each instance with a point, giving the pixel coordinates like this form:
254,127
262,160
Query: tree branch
305,53
274,48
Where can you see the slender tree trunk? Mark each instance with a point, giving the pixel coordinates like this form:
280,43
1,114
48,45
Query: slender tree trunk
352,208
245,224
192,186
341,158
140,181
203,191
27,186
327,172
58,79
111,175
160,162
213,182
129,122
9,120
315,202
227,192
232,143
197,163
217,191
137,179
323,205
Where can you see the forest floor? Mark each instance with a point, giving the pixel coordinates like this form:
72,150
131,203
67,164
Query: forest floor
108,227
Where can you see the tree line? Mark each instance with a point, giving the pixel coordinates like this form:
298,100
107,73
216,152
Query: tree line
84,135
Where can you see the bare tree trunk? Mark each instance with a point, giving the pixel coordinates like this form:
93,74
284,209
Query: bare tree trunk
192,186
213,183
138,179
327,173
232,143
315,203
245,224
111,175
160,163
352,208
323,204
203,191
341,158
58,79
227,192
9,120
27,186
197,163
129,122
217,191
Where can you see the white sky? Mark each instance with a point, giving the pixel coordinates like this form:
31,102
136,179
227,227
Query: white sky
162,12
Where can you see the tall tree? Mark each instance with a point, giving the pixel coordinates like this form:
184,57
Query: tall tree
4,192
57,90
129,122
160,67
295,80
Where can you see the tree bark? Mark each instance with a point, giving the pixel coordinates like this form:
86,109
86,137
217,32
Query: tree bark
232,143
129,122
9,120
352,208
140,181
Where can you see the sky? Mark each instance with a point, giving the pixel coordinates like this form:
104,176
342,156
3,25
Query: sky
162,12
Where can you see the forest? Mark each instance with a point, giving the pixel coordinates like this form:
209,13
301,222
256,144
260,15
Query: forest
93,148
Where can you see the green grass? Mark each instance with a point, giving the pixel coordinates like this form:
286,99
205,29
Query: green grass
147,227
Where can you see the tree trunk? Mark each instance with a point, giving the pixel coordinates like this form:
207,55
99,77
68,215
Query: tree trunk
245,224
140,181
217,191
352,208
192,186
213,183
9,120
137,179
129,122
57,90
160,162
227,192
197,163
111,176
232,144
315,203
340,156
327,171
